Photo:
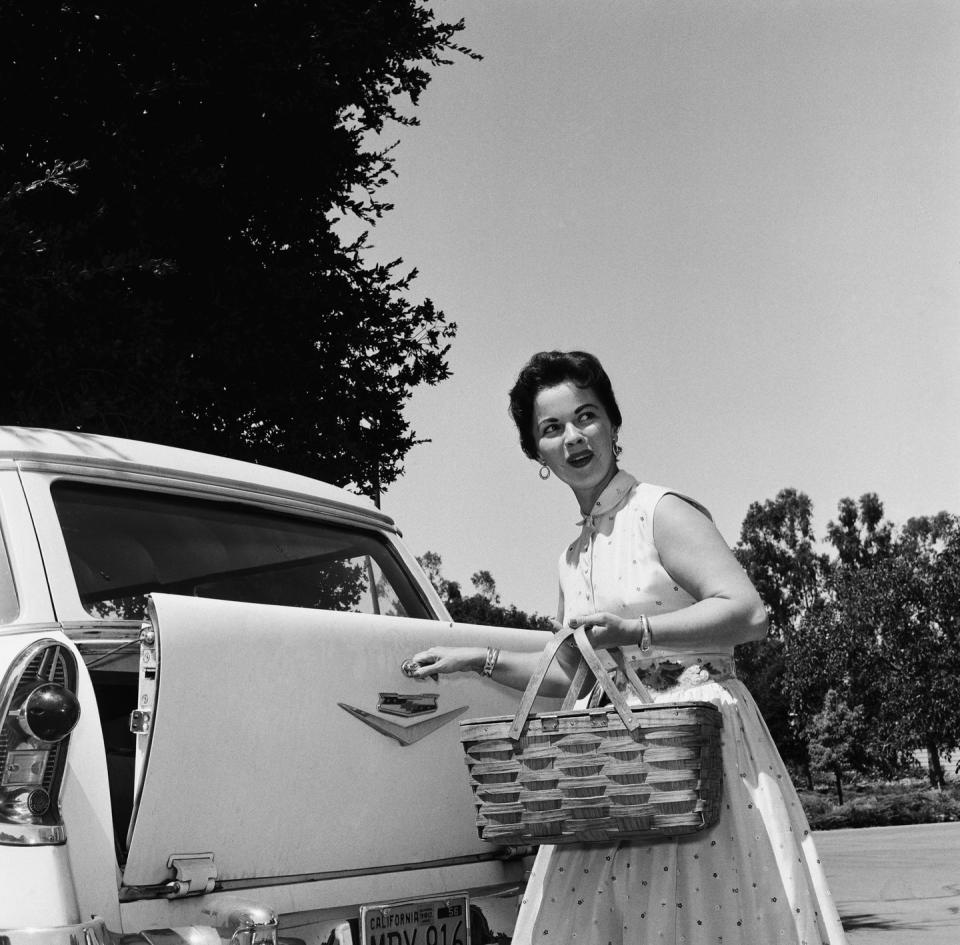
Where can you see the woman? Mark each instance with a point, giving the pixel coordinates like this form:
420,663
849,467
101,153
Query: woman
651,574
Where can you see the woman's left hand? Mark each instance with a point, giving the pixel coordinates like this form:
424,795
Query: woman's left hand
605,630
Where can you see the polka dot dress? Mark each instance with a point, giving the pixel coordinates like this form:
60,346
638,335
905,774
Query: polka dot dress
754,878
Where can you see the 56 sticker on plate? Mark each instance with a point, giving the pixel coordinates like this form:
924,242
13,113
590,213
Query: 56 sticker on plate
443,921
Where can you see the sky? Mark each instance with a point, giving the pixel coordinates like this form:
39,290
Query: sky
749,211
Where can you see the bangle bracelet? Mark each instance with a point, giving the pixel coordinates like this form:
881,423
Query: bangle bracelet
489,664
646,635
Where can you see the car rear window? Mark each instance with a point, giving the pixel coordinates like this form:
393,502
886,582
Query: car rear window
124,543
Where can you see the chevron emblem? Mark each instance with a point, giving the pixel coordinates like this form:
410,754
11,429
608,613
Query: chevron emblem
405,734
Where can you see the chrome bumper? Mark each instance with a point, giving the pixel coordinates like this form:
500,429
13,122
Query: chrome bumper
87,933
96,933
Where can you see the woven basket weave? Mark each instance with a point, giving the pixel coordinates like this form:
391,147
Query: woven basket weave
597,774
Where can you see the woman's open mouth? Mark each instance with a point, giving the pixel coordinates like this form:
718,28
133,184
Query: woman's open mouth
580,460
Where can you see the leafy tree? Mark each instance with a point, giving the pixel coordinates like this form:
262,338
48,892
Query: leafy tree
821,645
431,563
823,650
485,586
860,535
929,534
931,548
888,642
836,734
762,665
172,180
777,550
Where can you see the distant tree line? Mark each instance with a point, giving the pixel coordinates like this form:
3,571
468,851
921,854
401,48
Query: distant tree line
483,605
860,668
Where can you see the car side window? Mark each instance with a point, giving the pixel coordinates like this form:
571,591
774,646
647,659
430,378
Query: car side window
125,543
9,603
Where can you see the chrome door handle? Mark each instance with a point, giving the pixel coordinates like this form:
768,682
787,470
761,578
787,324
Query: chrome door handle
409,669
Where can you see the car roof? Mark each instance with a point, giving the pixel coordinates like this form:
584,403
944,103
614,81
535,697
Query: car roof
58,447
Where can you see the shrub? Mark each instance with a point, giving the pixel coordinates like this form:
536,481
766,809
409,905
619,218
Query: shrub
884,806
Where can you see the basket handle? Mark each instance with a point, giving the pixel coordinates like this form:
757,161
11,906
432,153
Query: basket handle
606,683
590,661
583,670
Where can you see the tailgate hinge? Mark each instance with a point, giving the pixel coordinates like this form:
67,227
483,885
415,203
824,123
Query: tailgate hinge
196,874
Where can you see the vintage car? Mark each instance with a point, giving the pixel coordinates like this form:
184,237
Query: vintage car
206,731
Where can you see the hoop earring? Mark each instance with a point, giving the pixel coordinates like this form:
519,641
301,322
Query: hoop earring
544,468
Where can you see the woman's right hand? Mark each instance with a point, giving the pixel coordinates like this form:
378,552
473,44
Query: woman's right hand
449,659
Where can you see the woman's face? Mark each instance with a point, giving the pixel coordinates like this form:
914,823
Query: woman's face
575,439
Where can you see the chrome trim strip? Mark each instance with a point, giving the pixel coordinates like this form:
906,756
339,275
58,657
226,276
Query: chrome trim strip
162,890
32,835
404,734
102,627
86,933
39,626
200,484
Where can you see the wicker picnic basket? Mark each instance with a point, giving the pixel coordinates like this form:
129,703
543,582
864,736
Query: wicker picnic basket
597,774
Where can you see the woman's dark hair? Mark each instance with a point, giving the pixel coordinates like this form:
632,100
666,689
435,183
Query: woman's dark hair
547,369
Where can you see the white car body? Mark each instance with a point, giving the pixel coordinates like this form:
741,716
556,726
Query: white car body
248,802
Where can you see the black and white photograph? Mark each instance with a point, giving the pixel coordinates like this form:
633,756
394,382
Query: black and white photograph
480,473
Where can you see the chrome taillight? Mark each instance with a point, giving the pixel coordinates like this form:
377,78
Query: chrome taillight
38,710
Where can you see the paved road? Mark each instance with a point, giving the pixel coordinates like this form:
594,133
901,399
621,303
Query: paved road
895,885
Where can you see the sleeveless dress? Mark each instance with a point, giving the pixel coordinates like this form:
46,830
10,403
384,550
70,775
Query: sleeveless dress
754,878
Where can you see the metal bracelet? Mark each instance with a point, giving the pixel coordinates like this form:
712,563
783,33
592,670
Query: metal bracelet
493,654
646,635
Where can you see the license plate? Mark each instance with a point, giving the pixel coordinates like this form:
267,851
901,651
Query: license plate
443,921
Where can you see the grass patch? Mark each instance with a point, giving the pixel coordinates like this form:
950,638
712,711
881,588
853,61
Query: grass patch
883,805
